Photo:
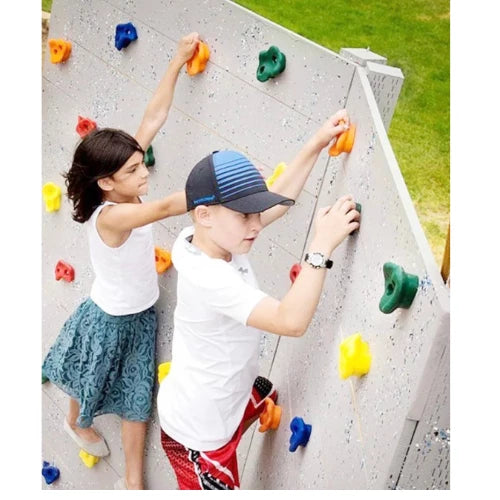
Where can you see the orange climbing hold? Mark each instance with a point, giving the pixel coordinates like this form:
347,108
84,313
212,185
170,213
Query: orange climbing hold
270,418
199,60
344,141
163,260
60,50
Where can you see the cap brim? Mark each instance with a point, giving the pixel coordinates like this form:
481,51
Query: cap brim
257,202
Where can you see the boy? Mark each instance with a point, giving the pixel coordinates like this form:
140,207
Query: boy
212,393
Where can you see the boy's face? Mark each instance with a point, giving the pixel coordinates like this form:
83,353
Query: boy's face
233,231
131,180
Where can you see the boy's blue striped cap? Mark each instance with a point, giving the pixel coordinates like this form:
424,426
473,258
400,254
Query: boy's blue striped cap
230,179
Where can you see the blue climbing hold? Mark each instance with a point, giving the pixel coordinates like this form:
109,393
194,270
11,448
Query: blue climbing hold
125,33
300,433
49,472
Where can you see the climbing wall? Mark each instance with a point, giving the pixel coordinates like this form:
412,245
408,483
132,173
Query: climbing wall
362,429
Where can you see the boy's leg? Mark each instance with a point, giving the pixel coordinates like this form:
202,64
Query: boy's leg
87,434
262,389
198,470
133,439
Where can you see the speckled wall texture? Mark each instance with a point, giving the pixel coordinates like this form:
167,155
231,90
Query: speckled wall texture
388,429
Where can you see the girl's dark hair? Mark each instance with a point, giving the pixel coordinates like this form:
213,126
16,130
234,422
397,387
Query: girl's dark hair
100,154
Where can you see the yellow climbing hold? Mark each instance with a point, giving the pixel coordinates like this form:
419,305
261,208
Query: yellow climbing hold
163,370
355,357
52,196
280,168
87,459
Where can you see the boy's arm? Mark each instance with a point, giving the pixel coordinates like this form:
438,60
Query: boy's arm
157,110
123,217
293,314
292,180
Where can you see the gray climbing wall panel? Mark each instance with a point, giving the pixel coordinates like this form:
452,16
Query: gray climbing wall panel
359,427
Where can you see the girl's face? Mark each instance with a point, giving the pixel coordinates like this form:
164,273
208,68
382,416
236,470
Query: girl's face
233,231
130,181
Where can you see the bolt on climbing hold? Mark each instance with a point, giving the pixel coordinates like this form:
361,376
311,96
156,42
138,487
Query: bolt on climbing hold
85,125
358,209
65,271
124,34
44,378
294,271
60,50
300,433
163,370
400,288
279,169
272,62
49,472
149,158
163,260
355,357
344,141
52,196
198,62
88,459
271,416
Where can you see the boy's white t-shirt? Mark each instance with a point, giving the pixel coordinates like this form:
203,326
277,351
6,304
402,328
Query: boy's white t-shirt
214,354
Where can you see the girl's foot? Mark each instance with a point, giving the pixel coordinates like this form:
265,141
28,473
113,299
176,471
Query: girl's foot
87,439
87,434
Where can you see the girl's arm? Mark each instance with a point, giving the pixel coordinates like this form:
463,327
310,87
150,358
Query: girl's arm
157,110
292,180
116,221
291,316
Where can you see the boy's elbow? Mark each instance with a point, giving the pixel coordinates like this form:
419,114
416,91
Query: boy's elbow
294,330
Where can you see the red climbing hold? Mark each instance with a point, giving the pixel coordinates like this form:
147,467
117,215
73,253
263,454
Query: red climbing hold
64,271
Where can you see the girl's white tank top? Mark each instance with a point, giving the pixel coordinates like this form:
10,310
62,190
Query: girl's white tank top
126,281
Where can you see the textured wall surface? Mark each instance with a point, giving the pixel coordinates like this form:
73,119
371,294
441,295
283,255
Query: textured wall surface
363,429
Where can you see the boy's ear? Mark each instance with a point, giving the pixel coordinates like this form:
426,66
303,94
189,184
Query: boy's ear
202,215
106,183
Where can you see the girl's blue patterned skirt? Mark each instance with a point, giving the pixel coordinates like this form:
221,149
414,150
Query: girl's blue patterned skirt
106,363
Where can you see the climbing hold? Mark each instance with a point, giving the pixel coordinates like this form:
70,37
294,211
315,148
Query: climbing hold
50,472
300,433
344,141
198,62
358,208
355,357
44,378
400,288
163,260
88,459
52,196
294,271
163,370
125,33
65,271
271,416
60,50
271,63
149,159
280,168
85,125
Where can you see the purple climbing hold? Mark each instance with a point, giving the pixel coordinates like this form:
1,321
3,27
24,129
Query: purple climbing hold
125,33
49,472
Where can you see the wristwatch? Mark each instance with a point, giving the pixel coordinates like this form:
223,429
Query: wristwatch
318,260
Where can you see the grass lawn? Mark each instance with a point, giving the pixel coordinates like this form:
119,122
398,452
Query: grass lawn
414,36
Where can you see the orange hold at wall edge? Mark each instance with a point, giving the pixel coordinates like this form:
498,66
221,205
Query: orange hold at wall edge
344,142
199,60
60,50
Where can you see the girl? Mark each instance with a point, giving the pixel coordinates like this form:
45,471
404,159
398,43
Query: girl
104,355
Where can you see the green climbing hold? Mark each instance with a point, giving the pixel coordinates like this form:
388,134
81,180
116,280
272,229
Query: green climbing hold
400,288
271,63
149,159
358,208
44,378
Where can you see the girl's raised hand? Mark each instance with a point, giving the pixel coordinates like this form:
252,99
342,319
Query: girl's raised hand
187,45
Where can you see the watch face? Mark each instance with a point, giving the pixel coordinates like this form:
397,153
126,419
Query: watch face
316,259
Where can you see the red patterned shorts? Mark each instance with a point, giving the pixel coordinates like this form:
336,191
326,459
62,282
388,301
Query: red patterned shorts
217,469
